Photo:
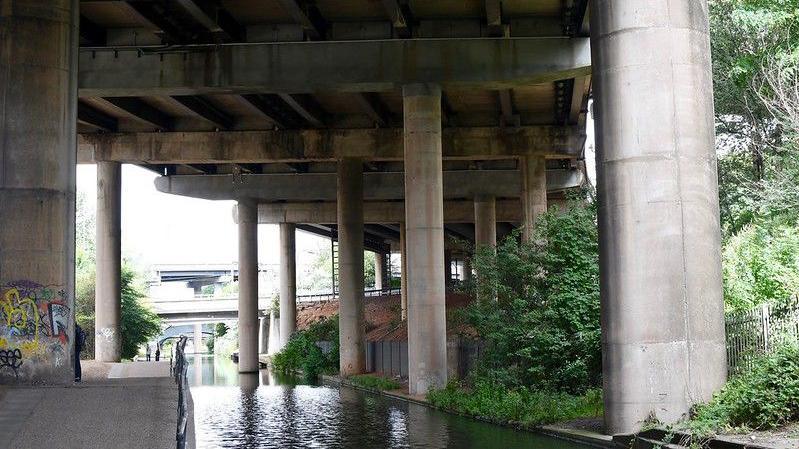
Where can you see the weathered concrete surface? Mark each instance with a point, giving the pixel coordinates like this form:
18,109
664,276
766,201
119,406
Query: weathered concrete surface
108,282
403,270
377,185
535,183
134,413
352,340
248,287
323,145
38,69
659,214
485,221
380,266
295,67
455,211
424,224
288,282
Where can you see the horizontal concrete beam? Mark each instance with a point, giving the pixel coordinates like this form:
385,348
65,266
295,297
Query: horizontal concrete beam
322,145
346,66
378,186
377,212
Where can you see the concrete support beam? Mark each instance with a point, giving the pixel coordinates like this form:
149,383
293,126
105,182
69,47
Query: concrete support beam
378,212
662,309
384,144
382,186
424,221
248,286
403,272
108,287
534,193
352,339
288,282
485,221
294,67
38,116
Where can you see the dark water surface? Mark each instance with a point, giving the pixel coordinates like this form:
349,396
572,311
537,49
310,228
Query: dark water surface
262,411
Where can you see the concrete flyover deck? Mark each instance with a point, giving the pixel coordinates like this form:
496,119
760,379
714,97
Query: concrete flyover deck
102,413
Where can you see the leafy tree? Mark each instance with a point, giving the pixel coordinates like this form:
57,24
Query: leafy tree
138,323
543,330
221,329
302,353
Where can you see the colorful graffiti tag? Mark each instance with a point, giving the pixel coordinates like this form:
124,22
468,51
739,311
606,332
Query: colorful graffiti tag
34,324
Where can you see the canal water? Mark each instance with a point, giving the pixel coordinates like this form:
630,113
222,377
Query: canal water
265,411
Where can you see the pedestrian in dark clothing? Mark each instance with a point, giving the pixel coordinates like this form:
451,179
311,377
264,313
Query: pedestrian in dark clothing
148,352
157,353
80,343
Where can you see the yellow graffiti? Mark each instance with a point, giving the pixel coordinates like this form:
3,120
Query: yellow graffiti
3,343
16,311
31,349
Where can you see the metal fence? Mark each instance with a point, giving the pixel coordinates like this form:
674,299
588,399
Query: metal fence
179,373
756,332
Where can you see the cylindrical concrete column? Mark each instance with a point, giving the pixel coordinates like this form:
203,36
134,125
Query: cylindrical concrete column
424,221
380,270
248,286
38,74
288,282
198,339
534,192
108,289
263,342
485,221
352,332
662,309
403,274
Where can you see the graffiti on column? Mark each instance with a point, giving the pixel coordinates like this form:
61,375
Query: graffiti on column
34,323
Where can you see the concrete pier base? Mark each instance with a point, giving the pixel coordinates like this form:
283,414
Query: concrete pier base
108,288
352,339
38,87
248,287
424,221
288,282
663,339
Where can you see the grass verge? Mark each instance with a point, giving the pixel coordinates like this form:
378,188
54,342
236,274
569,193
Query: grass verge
375,382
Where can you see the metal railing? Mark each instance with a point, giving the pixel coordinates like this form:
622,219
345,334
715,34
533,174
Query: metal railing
756,332
325,297
181,379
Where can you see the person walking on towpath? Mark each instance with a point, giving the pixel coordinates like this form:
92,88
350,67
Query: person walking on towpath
80,343
148,351
157,352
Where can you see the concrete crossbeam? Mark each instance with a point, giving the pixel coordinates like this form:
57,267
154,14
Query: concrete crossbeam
295,67
323,145
378,212
267,188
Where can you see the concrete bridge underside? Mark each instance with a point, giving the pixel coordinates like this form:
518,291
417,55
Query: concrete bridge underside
416,119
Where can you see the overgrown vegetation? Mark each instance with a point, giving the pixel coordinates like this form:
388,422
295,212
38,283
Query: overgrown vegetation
522,406
765,397
375,382
542,360
303,354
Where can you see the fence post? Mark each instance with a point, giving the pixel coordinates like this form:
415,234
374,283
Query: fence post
765,313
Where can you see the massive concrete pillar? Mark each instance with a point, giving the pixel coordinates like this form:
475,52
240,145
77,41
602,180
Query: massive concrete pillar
108,288
263,342
534,192
38,74
403,273
352,338
662,308
380,270
288,282
485,221
424,222
248,286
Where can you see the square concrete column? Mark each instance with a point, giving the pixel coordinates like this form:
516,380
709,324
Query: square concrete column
288,282
108,287
248,286
352,331
424,222
380,270
663,344
485,221
38,87
534,192
403,273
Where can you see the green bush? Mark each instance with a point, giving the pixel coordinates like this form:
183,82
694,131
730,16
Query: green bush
302,354
543,330
375,382
765,397
138,323
519,406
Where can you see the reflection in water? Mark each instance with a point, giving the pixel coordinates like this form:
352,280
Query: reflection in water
268,411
